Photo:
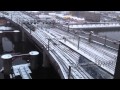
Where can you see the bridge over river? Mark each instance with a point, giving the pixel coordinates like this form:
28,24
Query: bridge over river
73,56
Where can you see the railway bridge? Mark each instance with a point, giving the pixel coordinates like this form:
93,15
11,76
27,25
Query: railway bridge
73,56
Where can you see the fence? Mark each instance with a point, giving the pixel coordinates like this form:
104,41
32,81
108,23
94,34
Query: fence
103,40
91,37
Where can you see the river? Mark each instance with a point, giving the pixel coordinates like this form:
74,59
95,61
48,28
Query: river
9,45
112,33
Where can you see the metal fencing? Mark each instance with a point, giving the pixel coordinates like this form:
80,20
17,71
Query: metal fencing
103,40
93,38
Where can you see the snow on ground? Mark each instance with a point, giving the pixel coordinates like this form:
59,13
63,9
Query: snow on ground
86,55
64,56
94,51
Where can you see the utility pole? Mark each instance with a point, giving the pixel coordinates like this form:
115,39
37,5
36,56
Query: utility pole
90,35
48,44
68,27
78,42
105,40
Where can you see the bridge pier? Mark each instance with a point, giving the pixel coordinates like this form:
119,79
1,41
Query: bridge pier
23,36
45,60
7,63
69,73
16,36
33,60
1,37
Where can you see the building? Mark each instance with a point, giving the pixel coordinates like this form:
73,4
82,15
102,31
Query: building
89,16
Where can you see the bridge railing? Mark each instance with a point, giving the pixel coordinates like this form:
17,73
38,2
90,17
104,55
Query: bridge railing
87,34
94,25
103,40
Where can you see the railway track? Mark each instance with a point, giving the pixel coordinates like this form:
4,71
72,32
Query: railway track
64,55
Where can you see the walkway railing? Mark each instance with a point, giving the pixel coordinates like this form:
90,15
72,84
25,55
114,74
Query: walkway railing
91,37
103,40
